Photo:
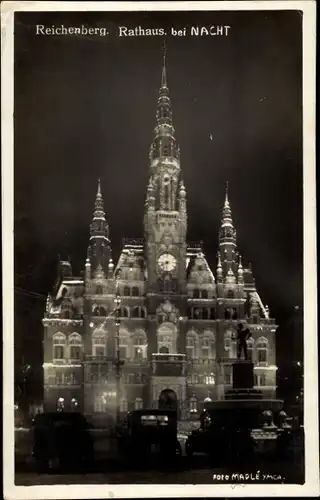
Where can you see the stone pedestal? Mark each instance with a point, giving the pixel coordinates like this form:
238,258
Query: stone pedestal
243,375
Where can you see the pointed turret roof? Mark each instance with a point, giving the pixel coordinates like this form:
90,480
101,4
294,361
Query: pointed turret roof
99,225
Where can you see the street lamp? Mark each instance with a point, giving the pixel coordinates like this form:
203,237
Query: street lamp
118,363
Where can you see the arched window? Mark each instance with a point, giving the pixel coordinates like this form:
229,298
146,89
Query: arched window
126,291
262,350
191,347
102,311
123,344
59,343
204,294
192,378
135,313
230,344
66,314
207,342
124,312
139,346
196,293
193,404
135,291
75,344
138,404
99,344
250,344
166,337
209,379
143,312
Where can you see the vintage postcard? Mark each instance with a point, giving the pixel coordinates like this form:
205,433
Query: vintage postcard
159,249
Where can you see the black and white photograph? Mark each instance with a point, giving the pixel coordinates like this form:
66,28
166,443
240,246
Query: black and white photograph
159,262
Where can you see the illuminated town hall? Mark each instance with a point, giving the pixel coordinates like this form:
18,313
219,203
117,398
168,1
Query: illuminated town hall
176,333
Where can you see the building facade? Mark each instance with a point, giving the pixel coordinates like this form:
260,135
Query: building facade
178,318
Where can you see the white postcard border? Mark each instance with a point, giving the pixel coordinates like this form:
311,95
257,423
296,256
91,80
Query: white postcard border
311,486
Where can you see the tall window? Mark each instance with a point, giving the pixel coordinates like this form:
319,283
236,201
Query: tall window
126,291
99,345
204,294
230,294
59,345
135,291
196,293
139,347
136,312
99,290
207,345
75,346
124,312
191,347
262,350
250,349
193,404
230,345
123,344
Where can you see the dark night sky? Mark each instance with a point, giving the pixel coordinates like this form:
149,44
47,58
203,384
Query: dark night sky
85,107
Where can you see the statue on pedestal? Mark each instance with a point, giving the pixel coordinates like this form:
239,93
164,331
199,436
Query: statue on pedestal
243,334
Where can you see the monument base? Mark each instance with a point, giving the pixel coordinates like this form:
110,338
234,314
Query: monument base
243,375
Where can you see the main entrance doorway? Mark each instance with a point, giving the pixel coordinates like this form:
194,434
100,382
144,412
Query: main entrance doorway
168,400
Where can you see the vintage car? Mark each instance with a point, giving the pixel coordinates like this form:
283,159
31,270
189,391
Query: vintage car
225,433
144,433
61,440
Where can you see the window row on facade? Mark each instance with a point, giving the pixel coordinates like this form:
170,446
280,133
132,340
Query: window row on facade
71,379
198,293
125,311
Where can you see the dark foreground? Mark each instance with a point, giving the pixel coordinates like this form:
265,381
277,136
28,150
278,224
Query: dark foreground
183,471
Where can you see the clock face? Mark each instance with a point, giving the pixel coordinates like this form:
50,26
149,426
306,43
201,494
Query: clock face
167,262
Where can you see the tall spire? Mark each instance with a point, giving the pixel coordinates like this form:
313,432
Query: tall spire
99,226
98,204
164,69
164,151
227,236
99,248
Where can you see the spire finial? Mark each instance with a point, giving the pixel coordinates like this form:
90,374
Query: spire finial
99,187
226,199
164,70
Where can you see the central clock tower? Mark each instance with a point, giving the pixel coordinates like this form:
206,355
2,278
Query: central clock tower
165,222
